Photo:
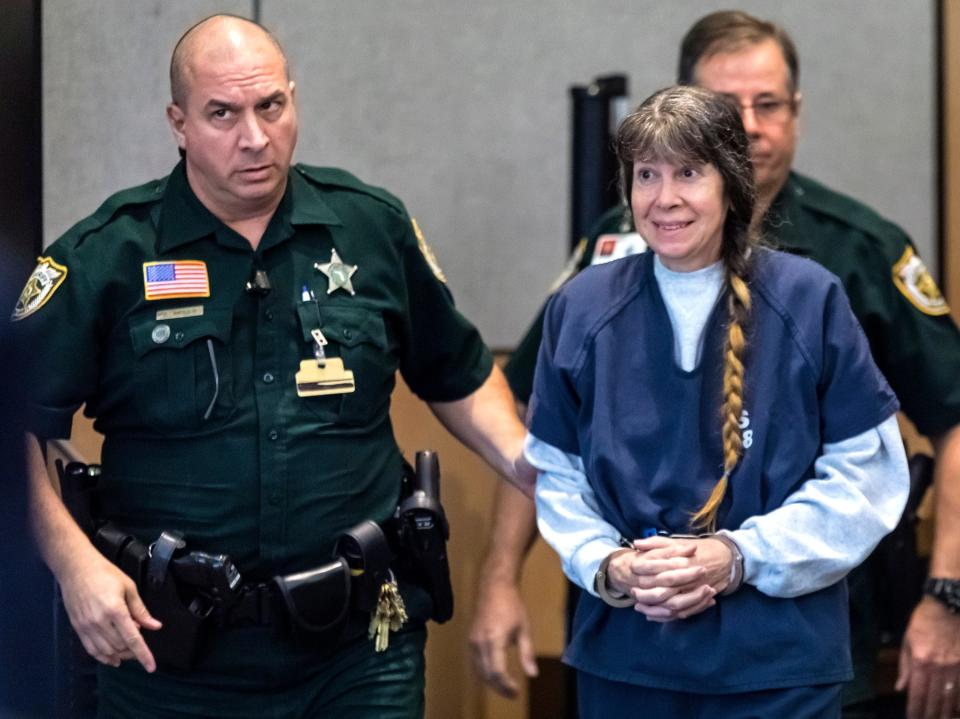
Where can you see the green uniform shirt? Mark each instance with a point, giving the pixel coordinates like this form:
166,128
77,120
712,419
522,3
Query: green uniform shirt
913,338
196,395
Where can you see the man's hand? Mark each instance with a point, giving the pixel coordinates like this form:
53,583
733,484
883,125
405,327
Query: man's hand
930,654
930,662
500,619
101,601
106,611
500,622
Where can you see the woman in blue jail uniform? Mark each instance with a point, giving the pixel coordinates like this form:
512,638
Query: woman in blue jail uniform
719,390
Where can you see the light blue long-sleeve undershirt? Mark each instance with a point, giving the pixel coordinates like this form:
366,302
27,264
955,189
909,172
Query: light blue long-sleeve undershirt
821,532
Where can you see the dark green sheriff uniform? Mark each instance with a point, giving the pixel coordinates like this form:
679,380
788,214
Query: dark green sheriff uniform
914,341
196,396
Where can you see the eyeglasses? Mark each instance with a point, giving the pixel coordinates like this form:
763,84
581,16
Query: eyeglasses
774,109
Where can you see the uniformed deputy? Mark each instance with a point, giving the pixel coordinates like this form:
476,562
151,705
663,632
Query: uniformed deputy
907,322
235,330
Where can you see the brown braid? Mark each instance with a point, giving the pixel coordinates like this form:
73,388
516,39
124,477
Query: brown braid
738,307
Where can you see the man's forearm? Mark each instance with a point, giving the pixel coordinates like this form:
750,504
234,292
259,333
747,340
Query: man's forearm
486,422
511,536
59,537
945,557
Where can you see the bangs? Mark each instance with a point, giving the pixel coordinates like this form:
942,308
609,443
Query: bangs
675,143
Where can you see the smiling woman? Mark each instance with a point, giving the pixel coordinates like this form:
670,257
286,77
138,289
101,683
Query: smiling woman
679,210
637,355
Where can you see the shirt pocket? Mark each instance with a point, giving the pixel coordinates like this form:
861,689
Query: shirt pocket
183,369
359,337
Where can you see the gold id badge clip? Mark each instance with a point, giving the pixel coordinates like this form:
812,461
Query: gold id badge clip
323,375
332,378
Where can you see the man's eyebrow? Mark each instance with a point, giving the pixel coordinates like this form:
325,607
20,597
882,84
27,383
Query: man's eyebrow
215,104
277,95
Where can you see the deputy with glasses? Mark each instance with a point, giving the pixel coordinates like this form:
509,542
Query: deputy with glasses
907,322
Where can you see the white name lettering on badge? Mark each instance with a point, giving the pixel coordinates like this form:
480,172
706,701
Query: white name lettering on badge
178,312
616,247
915,283
42,283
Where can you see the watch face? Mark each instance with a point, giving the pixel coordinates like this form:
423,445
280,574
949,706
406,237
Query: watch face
944,590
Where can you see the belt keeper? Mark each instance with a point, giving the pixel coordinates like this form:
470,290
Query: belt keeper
736,566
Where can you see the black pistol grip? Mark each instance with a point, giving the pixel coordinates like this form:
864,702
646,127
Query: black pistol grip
428,473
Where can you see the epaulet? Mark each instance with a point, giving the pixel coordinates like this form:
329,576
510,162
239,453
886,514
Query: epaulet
843,209
144,194
341,178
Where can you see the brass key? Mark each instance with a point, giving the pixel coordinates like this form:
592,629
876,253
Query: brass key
389,616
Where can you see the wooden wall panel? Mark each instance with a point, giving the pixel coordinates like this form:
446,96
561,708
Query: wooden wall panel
951,153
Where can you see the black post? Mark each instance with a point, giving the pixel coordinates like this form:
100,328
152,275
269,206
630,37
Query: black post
593,169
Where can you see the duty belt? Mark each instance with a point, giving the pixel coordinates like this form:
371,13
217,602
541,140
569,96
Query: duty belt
191,592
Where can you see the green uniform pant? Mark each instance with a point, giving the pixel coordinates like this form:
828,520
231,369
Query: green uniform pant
251,674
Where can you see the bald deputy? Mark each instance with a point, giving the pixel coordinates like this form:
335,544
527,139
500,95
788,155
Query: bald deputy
234,329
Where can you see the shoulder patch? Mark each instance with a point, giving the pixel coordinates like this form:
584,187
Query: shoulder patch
341,178
428,253
915,283
45,279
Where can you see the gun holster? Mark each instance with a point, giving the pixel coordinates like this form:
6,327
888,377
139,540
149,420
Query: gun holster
423,534
175,643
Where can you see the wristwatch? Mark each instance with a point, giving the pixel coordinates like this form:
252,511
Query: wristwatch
946,591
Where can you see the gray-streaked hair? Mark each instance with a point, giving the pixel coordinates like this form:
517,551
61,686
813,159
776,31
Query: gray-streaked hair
688,125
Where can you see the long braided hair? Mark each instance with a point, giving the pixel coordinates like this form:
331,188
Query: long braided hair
691,126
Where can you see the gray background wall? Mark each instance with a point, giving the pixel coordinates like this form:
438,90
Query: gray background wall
462,109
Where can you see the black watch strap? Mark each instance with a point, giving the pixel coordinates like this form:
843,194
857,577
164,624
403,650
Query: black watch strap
946,591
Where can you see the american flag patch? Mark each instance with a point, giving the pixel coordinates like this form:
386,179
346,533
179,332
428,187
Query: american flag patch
179,278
